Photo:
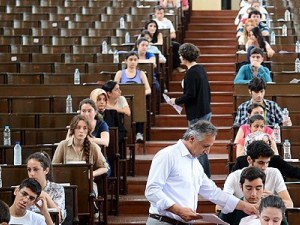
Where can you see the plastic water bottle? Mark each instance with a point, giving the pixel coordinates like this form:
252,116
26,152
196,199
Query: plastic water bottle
17,154
6,136
268,21
116,56
297,47
284,30
76,76
122,23
297,65
277,133
104,47
287,15
287,149
127,38
69,108
285,114
273,38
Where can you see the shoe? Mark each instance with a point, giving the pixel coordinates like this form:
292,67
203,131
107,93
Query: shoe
180,69
139,138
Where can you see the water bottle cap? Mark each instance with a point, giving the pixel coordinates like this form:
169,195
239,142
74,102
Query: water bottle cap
286,140
17,142
6,127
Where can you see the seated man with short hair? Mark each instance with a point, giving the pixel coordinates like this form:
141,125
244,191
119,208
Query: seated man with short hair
26,195
252,182
259,154
247,72
4,213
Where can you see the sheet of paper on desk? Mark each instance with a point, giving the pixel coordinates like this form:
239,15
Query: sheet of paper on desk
176,107
211,218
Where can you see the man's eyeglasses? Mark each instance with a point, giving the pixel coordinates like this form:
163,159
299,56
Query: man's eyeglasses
30,197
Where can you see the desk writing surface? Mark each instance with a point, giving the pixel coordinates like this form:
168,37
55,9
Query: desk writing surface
271,89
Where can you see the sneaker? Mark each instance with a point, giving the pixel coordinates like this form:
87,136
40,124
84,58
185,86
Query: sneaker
180,69
139,138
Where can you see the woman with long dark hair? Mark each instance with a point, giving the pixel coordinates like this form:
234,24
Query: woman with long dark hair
156,35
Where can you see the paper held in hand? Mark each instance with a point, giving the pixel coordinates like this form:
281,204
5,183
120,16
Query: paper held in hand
211,218
176,107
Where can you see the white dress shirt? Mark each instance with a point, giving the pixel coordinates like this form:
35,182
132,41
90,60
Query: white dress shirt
176,177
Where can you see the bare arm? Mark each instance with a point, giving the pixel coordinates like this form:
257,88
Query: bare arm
240,134
285,196
103,140
270,51
118,77
160,40
240,150
146,83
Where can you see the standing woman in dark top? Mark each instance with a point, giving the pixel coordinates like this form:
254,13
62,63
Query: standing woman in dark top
196,89
196,92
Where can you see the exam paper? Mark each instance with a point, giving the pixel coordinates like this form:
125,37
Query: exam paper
211,218
176,107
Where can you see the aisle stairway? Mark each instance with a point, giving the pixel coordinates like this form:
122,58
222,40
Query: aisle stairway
214,33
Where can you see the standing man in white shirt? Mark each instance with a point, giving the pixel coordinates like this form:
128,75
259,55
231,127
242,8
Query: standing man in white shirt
176,178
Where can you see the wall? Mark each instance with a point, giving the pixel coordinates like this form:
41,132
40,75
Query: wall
213,4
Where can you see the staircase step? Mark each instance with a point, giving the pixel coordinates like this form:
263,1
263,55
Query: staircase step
219,67
215,96
217,49
219,147
212,76
174,133
217,58
212,26
209,34
216,107
180,120
137,184
216,13
212,41
214,86
138,204
212,19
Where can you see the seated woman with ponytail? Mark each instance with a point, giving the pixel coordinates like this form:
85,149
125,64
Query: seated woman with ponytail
79,147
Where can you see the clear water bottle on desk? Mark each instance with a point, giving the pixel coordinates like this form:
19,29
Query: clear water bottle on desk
273,38
287,149
276,131
287,15
297,65
6,136
285,114
69,107
127,38
76,76
297,47
104,47
284,30
116,56
122,22
17,154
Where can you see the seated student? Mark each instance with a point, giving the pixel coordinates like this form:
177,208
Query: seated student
156,37
248,26
244,13
252,181
79,147
257,128
256,16
175,4
110,116
271,211
273,115
39,167
259,155
247,72
256,40
133,75
4,213
26,195
115,100
152,48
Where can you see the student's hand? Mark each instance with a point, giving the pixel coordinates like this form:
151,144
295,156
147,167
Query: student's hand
255,64
287,122
41,203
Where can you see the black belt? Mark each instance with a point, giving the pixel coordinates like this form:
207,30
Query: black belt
167,219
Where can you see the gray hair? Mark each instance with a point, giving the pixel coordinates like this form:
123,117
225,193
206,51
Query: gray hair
200,130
